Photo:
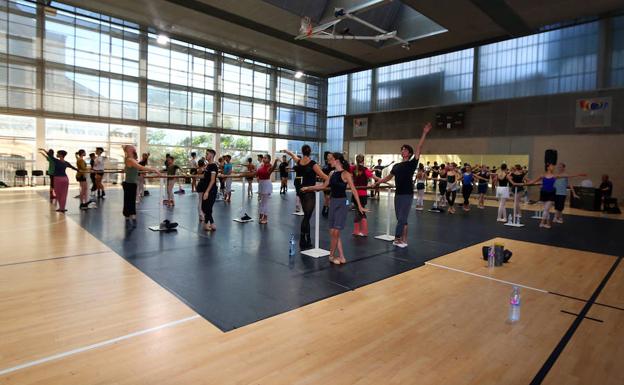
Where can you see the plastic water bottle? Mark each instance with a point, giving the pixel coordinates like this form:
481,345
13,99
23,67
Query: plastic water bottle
491,257
514,305
510,220
291,245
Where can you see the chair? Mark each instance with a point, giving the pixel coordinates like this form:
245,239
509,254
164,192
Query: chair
20,174
37,174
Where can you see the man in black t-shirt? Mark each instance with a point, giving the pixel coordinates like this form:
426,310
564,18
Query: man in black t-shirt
435,172
403,174
378,170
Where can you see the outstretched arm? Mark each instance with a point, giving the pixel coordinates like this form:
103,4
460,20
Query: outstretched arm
319,172
383,180
421,142
318,187
292,155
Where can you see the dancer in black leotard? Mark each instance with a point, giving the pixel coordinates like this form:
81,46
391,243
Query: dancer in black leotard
306,171
452,185
338,181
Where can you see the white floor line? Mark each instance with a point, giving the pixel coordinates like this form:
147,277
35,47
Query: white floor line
94,346
486,277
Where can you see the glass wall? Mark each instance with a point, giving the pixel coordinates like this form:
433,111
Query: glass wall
177,143
73,135
617,55
98,67
564,60
438,80
557,61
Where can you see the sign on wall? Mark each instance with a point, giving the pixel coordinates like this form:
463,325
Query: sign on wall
360,127
593,112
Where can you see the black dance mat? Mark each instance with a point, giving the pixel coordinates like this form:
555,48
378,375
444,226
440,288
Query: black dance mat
242,273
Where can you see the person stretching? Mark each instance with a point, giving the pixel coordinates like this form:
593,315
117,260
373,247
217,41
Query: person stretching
403,172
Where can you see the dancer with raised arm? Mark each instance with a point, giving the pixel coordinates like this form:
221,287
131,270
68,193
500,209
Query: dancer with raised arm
403,173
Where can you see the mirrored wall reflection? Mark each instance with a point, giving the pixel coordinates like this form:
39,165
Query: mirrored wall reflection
491,161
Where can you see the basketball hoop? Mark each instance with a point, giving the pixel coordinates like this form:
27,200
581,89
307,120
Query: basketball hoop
306,26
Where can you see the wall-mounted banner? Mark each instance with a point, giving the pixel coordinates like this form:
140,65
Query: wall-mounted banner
360,127
594,112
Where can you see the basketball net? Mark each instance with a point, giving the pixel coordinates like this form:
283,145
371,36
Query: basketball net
306,26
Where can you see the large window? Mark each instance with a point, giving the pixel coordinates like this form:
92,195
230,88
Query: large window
337,96
437,80
91,65
18,29
361,88
73,135
617,56
563,60
177,143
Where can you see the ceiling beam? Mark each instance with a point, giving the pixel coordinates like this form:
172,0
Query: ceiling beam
504,16
201,7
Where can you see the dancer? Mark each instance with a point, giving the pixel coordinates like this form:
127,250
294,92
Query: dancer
403,172
452,185
172,169
482,186
306,172
201,167
283,171
442,185
141,187
378,172
81,178
468,180
421,178
129,185
210,194
192,163
547,193
361,176
260,158
227,171
338,181
327,169
435,172
98,167
518,180
220,165
502,179
61,183
49,155
265,187
561,191
251,171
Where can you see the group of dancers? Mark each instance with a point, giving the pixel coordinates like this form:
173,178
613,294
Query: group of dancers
335,177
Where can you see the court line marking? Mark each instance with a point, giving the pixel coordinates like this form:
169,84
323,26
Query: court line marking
486,277
552,358
576,315
95,346
55,258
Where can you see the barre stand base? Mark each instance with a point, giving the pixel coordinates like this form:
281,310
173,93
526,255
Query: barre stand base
385,237
316,253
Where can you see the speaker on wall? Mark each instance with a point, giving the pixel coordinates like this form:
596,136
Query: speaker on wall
550,156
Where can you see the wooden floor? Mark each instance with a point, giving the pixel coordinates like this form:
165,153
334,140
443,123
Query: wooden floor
74,312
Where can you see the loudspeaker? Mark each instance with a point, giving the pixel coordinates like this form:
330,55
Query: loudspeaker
550,156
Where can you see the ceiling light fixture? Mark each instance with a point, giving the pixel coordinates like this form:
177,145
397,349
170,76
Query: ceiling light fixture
162,39
298,75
